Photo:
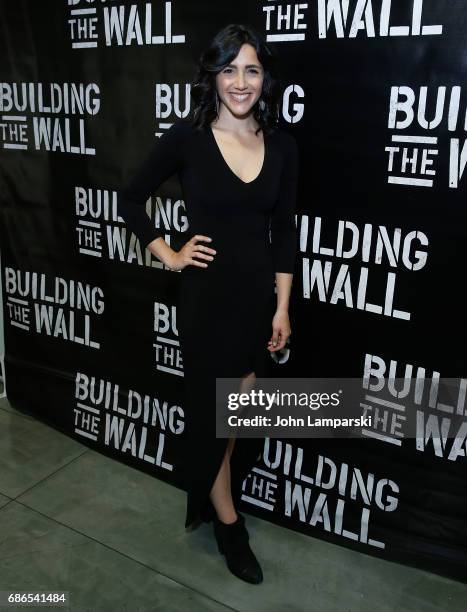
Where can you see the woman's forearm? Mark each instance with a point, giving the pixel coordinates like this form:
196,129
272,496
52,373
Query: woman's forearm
161,250
284,286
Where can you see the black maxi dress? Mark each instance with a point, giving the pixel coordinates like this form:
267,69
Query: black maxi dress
225,311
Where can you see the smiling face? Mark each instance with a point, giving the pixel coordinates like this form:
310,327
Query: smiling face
239,85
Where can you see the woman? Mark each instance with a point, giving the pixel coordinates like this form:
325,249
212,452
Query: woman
238,172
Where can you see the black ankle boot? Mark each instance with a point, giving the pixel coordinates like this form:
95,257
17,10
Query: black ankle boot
232,541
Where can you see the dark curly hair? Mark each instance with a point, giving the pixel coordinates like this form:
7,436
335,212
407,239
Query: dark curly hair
224,47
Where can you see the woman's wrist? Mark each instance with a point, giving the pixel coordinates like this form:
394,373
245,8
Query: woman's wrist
163,251
170,259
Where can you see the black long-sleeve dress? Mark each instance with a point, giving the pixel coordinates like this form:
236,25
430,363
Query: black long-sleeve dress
225,311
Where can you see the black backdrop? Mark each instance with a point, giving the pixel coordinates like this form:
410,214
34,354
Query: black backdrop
374,95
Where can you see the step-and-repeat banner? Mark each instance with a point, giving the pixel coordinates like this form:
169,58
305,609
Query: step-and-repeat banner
374,93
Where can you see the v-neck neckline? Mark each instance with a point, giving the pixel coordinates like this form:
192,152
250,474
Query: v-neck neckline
260,173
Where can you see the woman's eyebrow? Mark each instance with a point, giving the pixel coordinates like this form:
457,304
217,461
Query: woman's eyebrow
247,66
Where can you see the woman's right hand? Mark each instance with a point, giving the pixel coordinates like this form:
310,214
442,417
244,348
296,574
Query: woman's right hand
185,256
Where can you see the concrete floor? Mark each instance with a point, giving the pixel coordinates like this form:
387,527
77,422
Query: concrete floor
72,519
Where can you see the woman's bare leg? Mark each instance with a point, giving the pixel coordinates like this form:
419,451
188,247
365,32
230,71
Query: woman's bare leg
221,493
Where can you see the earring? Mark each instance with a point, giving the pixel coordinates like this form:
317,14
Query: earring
217,104
262,104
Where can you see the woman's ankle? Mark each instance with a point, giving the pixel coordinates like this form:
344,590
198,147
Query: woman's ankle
228,519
